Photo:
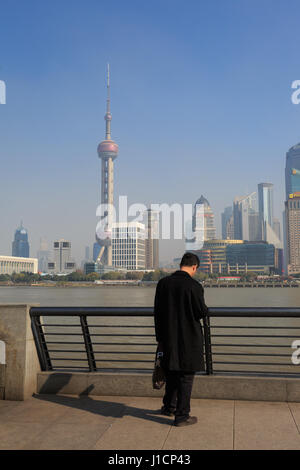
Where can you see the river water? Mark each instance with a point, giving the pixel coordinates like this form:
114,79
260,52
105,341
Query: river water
135,351
122,296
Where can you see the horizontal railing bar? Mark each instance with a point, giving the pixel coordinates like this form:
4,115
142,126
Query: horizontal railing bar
48,325
251,336
61,342
72,367
67,350
54,324
256,363
261,372
212,326
124,352
98,334
249,354
121,326
258,327
67,359
124,360
62,334
252,345
285,312
121,334
126,344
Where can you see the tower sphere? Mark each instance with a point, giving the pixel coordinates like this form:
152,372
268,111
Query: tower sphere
108,148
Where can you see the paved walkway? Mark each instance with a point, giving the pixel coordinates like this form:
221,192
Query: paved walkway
114,423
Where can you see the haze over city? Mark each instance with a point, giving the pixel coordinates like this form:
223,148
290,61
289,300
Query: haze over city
201,104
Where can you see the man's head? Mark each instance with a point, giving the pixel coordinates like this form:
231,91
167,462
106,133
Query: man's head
189,263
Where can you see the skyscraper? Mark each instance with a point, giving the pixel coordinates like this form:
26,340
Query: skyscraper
62,262
265,207
265,202
128,245
20,245
243,207
43,256
107,152
292,214
292,211
292,171
277,227
227,223
151,240
203,224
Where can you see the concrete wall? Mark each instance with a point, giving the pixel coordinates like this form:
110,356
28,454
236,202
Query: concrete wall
2,381
22,363
130,384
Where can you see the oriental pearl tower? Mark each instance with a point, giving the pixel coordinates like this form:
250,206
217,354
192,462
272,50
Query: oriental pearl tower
107,152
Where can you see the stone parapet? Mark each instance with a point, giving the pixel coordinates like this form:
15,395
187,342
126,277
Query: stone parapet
140,385
20,379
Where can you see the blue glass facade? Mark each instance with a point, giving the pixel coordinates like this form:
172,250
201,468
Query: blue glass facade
252,254
292,171
20,245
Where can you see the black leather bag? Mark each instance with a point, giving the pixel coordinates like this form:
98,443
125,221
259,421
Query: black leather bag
158,376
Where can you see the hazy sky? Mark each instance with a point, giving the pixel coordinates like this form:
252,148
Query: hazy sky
201,104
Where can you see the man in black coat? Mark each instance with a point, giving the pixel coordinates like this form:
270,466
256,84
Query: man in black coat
179,305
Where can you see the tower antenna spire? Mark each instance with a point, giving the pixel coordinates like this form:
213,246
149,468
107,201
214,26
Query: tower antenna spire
108,91
107,116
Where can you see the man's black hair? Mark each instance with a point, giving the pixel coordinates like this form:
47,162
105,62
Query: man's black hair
189,259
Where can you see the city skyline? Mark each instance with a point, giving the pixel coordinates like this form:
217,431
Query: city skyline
157,118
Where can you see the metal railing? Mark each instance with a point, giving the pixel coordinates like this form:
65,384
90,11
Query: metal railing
252,341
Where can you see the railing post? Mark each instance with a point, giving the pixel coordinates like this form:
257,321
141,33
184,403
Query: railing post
40,343
88,343
207,343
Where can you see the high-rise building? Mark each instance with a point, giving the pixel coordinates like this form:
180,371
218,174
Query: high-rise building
43,255
292,171
227,223
20,245
265,202
292,224
107,152
203,224
152,240
128,245
245,218
291,234
62,262
277,228
87,253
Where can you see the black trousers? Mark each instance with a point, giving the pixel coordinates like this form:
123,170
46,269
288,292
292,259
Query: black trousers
178,392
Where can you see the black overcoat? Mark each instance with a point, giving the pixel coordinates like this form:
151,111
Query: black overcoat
179,305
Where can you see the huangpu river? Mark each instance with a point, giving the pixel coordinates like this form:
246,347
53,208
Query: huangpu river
256,344
124,296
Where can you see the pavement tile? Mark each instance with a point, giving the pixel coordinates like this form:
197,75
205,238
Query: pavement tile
140,427
31,411
14,436
213,431
60,436
295,410
264,426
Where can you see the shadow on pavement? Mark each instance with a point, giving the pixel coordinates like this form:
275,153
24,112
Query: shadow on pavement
100,407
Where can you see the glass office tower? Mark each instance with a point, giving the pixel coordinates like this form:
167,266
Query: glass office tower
292,171
20,245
